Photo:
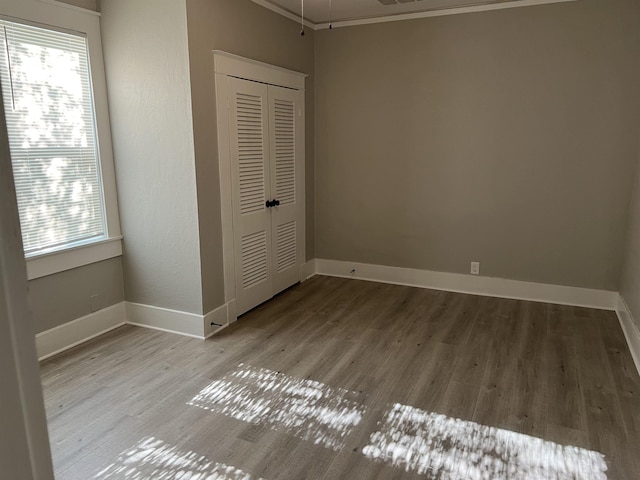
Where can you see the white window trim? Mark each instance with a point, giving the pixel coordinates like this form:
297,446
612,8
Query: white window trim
56,262
60,16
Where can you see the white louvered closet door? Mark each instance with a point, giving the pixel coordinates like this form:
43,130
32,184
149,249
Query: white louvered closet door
251,188
287,179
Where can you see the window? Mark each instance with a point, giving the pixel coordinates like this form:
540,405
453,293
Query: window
49,108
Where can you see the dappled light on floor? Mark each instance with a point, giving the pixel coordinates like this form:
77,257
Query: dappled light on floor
307,409
448,448
152,459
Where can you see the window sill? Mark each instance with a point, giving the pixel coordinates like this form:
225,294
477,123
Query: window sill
56,262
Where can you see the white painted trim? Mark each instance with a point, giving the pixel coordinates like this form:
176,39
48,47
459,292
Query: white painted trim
56,262
219,316
631,332
232,311
182,323
308,270
405,16
241,67
76,332
67,17
438,13
72,7
229,65
284,12
68,335
471,284
165,320
226,199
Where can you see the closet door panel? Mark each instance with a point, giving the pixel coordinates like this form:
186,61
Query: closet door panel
251,177
287,177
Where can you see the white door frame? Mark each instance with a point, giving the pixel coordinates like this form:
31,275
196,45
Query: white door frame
229,65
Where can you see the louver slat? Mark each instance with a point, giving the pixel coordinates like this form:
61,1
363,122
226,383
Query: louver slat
286,245
250,131
254,259
284,132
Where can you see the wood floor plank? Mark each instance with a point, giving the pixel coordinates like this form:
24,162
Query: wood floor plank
526,409
594,368
563,392
459,400
472,357
607,434
558,373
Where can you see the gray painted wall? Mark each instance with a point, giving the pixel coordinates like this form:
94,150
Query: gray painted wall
66,296
147,64
243,28
505,137
630,285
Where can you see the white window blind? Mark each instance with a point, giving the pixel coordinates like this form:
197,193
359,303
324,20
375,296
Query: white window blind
48,100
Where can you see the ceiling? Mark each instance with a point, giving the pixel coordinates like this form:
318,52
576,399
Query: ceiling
316,12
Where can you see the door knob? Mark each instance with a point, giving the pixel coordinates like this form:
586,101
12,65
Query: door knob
269,204
276,203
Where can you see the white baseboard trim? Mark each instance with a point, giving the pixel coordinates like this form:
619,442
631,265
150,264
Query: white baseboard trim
220,318
182,323
631,332
471,284
165,320
308,269
71,334
68,335
232,312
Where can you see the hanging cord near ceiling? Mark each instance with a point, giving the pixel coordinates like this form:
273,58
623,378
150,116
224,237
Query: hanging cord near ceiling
330,14
302,16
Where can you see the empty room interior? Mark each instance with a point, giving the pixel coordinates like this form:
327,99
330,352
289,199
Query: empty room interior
320,239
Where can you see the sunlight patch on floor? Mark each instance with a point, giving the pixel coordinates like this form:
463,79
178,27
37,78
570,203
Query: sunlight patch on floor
307,409
449,448
152,459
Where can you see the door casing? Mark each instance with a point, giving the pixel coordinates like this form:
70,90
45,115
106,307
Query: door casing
229,65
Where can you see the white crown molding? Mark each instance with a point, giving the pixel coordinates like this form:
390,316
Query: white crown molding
73,7
83,329
631,332
471,284
407,16
284,12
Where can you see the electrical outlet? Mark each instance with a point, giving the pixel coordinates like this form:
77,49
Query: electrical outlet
475,268
95,302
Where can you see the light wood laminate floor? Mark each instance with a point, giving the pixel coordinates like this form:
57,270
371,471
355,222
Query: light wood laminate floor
345,379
